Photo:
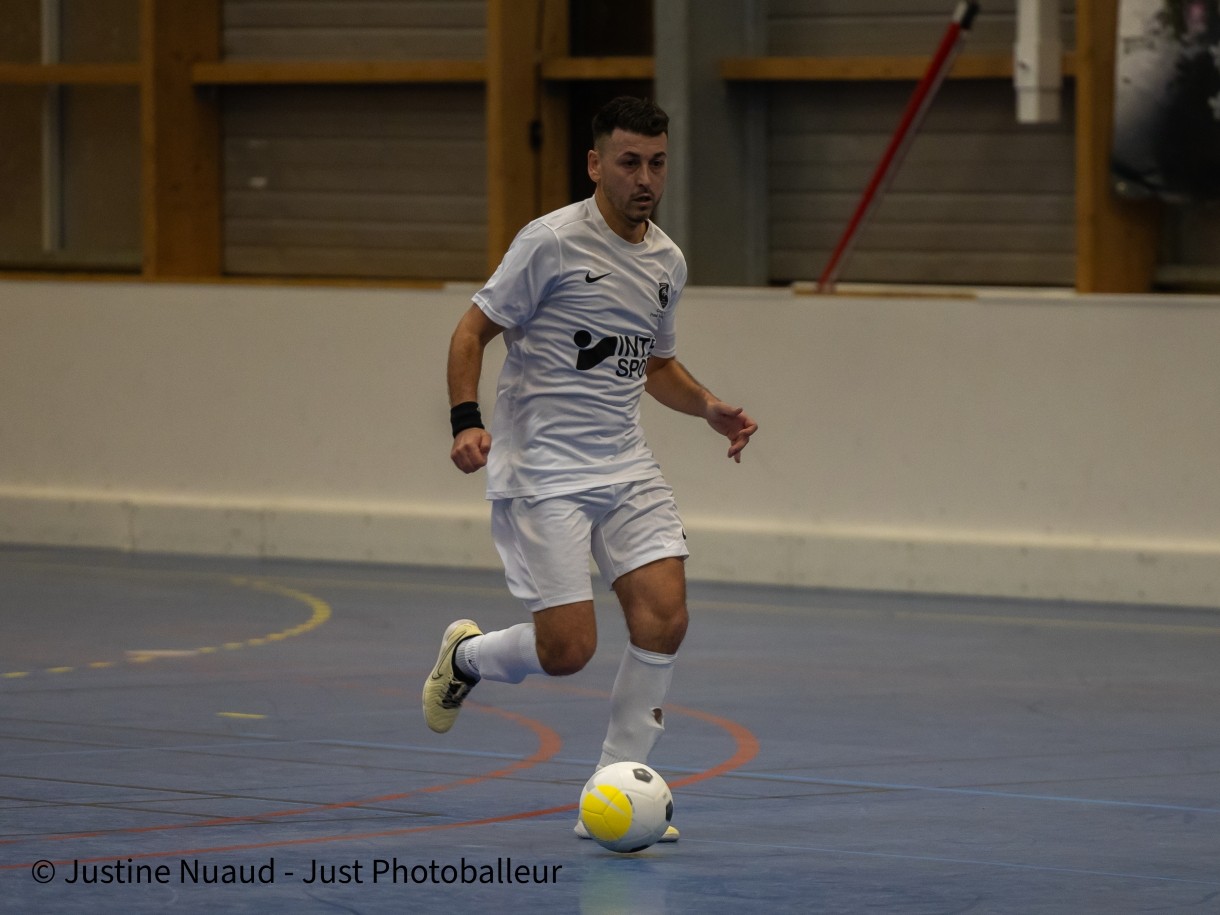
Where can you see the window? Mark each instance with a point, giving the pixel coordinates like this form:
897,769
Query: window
70,116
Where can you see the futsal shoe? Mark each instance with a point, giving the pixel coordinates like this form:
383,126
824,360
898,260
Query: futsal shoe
444,689
671,832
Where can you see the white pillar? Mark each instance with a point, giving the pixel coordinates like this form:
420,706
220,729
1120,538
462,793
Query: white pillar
714,205
1038,61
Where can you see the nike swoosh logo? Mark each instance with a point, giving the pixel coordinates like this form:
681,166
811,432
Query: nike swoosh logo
590,278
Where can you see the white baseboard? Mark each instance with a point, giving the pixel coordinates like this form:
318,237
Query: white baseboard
339,531
1035,566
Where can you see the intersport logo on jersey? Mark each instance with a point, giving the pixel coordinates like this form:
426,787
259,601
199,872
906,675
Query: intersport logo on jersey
632,352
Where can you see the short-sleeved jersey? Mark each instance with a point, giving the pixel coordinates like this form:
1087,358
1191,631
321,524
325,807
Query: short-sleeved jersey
583,310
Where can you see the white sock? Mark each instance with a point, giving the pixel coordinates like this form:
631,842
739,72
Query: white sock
505,656
636,722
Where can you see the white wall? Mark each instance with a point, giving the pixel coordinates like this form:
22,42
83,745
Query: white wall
1049,446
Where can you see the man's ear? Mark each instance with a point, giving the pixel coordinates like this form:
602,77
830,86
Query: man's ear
595,166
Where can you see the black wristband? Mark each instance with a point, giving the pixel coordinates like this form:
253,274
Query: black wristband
465,416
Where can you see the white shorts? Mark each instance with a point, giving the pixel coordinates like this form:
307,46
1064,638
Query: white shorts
545,541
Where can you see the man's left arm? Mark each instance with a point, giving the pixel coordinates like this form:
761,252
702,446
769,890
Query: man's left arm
671,384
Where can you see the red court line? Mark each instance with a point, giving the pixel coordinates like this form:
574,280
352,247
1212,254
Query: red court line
549,743
743,737
746,749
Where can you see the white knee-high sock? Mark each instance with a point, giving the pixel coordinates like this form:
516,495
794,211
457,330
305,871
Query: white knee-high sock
505,655
636,721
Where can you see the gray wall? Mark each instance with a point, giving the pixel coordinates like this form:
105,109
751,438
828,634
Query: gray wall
979,198
353,29
848,27
357,181
389,181
775,170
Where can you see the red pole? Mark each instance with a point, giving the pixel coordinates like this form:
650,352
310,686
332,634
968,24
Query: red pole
908,125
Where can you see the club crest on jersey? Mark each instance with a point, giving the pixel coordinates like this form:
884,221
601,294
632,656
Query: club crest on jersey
663,294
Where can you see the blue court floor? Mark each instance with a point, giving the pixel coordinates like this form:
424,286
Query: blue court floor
200,735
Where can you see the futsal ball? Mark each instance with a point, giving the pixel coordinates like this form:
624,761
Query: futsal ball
626,806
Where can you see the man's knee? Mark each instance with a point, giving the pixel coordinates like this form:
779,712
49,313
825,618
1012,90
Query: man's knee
568,657
654,602
566,638
662,628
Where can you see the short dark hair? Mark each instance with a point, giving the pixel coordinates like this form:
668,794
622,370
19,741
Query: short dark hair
634,115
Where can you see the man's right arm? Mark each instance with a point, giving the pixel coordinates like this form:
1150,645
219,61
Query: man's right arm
474,331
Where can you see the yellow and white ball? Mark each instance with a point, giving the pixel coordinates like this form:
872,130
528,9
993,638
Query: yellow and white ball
626,806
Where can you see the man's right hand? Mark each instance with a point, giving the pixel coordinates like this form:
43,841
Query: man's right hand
470,449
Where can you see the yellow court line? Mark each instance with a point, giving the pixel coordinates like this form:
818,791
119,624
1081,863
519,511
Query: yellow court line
312,581
913,615
917,615
321,614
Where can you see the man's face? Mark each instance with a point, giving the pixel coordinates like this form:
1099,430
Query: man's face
629,170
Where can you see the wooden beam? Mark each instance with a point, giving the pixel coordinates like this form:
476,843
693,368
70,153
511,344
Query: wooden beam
70,74
180,139
253,72
827,69
1116,239
554,111
595,68
512,122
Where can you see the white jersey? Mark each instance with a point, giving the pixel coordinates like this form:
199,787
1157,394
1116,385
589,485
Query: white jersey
583,310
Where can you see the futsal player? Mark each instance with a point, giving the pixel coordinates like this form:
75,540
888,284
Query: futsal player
586,299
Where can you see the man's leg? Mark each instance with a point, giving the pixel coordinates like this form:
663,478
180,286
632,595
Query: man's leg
544,545
654,605
560,641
